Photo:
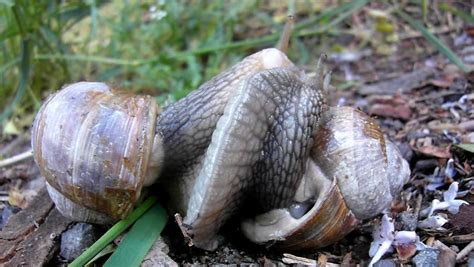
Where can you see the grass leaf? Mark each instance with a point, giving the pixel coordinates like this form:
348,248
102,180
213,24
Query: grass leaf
467,147
23,83
109,249
458,12
139,239
435,41
8,3
112,233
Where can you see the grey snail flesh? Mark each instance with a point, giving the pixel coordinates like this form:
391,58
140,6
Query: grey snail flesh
247,133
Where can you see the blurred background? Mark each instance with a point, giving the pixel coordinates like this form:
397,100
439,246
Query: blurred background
406,63
168,48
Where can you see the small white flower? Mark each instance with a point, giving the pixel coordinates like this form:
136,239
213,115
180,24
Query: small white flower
449,202
385,236
450,171
432,222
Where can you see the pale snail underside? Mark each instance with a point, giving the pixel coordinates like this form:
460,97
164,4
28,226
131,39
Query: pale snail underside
257,137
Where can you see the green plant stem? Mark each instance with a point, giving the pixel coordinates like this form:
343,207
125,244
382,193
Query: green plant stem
97,59
9,65
139,239
22,84
436,42
112,233
335,21
19,21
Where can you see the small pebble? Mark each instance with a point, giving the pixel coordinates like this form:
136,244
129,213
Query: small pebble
386,263
426,258
470,261
408,221
6,213
158,255
426,164
406,151
77,239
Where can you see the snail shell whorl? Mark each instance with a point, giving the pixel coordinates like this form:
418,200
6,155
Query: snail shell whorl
369,169
94,146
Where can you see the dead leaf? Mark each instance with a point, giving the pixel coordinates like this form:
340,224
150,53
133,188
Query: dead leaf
435,151
405,251
394,106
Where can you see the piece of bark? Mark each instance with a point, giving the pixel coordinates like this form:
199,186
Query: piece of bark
402,84
26,220
35,241
158,255
446,257
465,252
458,239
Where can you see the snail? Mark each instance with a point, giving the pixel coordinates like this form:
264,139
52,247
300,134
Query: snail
257,139
96,146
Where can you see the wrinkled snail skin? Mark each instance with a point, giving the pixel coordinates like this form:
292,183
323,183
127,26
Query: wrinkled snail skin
243,132
353,174
187,125
98,148
260,145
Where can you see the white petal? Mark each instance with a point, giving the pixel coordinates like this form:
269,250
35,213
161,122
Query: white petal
374,246
387,227
436,205
404,237
451,193
380,252
455,204
432,222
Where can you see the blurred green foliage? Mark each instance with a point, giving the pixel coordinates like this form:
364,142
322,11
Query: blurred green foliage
45,44
158,47
163,48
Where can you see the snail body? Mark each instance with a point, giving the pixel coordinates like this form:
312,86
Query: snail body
258,133
261,132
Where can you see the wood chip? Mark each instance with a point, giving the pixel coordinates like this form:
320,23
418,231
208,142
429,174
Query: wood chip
459,239
463,253
30,236
24,222
402,84
292,259
447,257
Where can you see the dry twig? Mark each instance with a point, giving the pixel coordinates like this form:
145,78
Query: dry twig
15,159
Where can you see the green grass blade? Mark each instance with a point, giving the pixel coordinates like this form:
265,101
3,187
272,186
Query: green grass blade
109,249
342,12
9,65
139,239
112,233
86,58
424,9
327,14
8,3
93,16
24,74
436,42
460,13
467,147
340,17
